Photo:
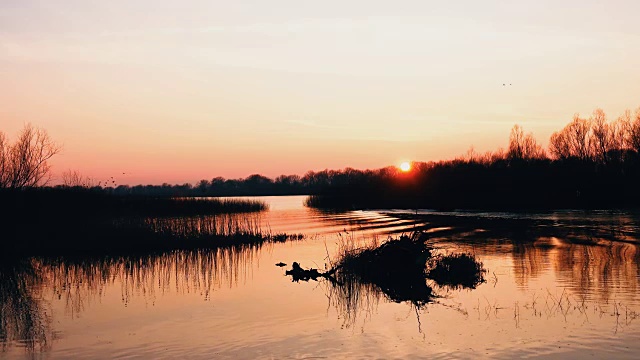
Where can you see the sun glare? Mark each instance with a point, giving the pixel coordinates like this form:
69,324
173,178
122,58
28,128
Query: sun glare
405,166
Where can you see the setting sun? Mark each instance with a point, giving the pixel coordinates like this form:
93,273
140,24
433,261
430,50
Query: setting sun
405,166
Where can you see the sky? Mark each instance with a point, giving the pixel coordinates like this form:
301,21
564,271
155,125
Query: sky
178,91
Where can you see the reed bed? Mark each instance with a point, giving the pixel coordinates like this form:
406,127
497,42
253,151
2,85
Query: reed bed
210,230
58,221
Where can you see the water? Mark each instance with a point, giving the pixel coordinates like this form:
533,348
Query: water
570,295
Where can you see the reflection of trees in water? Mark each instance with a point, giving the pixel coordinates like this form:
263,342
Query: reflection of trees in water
605,271
26,317
529,262
590,252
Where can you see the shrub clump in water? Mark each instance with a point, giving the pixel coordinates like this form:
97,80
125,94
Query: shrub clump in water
456,270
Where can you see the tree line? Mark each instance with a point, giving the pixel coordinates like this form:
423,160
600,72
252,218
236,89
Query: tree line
253,185
592,139
590,162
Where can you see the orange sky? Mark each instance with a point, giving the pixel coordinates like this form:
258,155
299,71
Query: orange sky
166,91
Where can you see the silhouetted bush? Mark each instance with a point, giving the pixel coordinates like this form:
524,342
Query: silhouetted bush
457,271
398,269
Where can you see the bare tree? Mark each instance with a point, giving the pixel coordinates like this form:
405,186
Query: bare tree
559,145
516,140
634,132
599,136
619,137
25,163
572,141
578,137
73,178
4,161
523,146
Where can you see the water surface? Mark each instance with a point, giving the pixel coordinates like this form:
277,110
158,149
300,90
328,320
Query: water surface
564,287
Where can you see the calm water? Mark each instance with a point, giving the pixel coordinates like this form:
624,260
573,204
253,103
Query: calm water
573,293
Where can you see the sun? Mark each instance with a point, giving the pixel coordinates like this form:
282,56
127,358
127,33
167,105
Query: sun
405,166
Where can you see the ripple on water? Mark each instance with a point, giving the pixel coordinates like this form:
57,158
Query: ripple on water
556,298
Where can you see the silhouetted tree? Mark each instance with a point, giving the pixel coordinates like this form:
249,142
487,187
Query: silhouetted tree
4,161
523,147
572,141
599,139
559,146
634,132
203,186
73,178
25,162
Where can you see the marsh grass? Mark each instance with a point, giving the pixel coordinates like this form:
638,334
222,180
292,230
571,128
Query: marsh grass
55,221
214,230
143,235
43,203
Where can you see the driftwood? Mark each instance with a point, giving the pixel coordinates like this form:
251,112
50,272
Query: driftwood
298,273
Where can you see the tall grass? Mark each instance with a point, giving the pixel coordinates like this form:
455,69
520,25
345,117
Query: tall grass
35,203
214,230
140,235
60,220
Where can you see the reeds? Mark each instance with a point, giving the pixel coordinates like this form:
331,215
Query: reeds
213,230
28,204
45,221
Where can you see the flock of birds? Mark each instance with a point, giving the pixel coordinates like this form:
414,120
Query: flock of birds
109,182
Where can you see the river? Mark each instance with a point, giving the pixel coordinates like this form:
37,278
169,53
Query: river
572,293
